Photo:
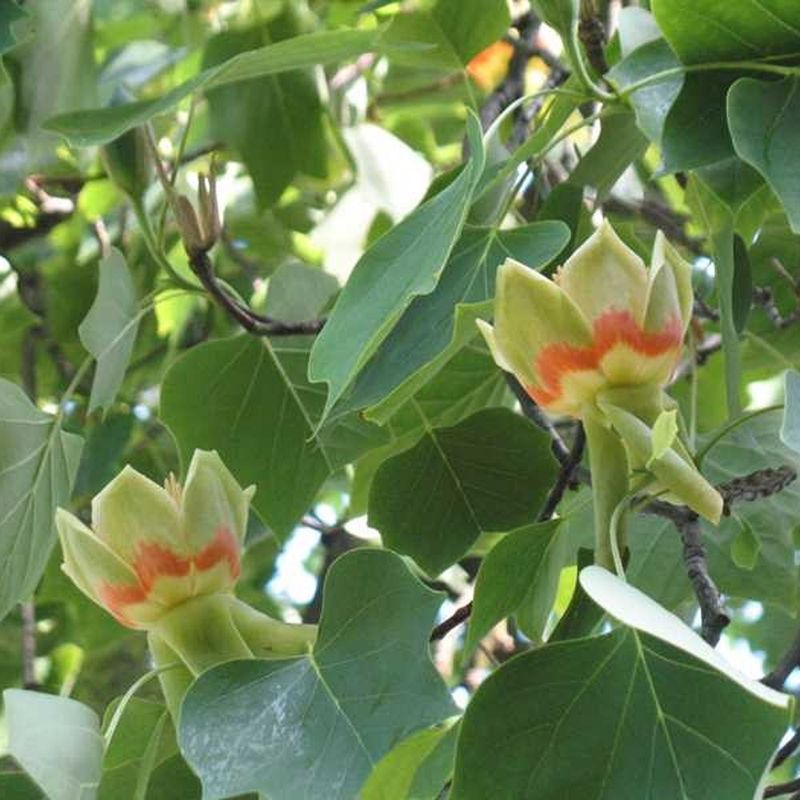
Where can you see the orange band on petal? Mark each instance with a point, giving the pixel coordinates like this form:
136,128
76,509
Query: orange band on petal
611,328
154,561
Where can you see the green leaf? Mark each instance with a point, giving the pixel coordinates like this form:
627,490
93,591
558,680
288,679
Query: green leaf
742,288
10,13
274,122
298,293
695,131
427,333
651,103
764,118
143,740
718,30
315,726
57,741
416,769
100,125
38,462
489,473
649,710
403,264
745,548
522,569
620,144
790,428
262,415
665,429
108,331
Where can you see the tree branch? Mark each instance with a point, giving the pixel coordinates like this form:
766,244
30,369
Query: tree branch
566,475
779,789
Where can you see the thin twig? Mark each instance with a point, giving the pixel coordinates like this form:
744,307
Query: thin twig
453,621
566,475
779,789
787,750
254,323
791,659
27,612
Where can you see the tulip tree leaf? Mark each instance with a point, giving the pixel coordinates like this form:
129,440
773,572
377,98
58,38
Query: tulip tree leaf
522,569
403,264
764,118
790,429
261,414
649,710
718,30
416,769
38,463
273,121
315,726
108,331
57,741
428,331
100,125
489,473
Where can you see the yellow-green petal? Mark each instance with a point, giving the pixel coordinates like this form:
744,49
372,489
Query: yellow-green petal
133,509
604,274
531,312
212,499
669,293
87,560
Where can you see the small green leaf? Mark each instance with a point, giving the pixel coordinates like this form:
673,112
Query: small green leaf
38,463
665,429
745,548
100,125
522,569
489,473
649,710
315,726
790,428
57,741
108,331
259,411
764,118
416,769
403,264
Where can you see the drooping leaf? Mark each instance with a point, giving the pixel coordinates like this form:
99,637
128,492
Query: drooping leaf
10,13
100,125
522,569
259,411
764,119
427,333
619,144
403,264
489,473
416,769
695,130
274,122
790,428
108,331
315,726
649,710
717,30
38,462
57,741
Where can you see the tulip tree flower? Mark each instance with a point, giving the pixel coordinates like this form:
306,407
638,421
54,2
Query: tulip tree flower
598,343
165,560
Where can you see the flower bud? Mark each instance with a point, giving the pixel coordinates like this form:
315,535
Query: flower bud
152,548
